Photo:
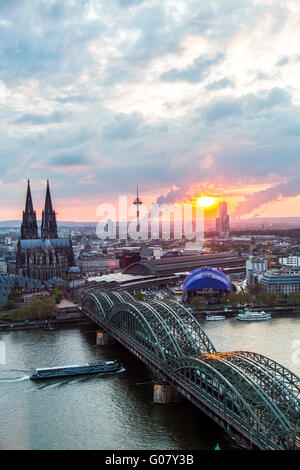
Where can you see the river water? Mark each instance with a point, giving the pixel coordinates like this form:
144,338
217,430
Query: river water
114,412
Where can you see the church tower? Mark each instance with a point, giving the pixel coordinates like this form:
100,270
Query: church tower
49,226
29,228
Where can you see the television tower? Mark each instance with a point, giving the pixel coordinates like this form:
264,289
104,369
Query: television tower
138,203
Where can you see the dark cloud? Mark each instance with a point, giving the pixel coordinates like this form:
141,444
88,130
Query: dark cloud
256,200
291,129
195,73
130,3
42,119
131,126
74,99
221,84
249,105
174,195
46,39
69,160
283,61
124,127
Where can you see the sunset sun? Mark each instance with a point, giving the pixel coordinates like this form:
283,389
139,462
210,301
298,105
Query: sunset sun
206,201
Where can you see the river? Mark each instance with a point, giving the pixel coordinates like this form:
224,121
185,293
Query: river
114,412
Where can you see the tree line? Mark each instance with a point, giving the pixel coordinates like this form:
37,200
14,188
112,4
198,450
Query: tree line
39,308
254,296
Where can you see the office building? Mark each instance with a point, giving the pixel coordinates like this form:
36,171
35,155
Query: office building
222,223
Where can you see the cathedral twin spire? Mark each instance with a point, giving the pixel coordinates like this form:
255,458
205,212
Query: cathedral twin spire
49,225
29,228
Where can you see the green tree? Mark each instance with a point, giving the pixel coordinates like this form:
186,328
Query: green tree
231,298
139,296
40,307
293,298
58,294
282,298
10,304
198,302
254,289
267,298
239,298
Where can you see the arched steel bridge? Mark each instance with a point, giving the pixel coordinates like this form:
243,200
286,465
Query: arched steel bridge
252,397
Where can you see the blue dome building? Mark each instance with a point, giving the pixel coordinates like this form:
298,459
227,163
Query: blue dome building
210,283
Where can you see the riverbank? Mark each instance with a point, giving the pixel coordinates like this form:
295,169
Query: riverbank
276,311
45,324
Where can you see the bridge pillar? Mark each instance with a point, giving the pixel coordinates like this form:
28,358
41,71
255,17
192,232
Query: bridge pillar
102,339
165,393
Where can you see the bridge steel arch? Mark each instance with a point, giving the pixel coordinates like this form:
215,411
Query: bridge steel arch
193,327
171,334
173,339
144,327
286,377
248,394
283,396
243,405
101,303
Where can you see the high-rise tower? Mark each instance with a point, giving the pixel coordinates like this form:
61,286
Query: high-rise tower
222,223
29,228
137,202
49,225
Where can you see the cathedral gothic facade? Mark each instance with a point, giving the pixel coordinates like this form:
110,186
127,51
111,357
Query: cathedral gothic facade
46,256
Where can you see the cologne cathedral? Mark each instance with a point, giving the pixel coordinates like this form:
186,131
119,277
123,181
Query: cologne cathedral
46,256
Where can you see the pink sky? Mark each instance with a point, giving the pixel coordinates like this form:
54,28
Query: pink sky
86,212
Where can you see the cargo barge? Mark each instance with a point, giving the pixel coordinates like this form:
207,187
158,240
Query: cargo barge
101,367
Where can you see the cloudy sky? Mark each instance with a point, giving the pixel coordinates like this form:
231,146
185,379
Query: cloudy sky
184,97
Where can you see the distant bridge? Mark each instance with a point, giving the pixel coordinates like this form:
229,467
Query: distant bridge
252,397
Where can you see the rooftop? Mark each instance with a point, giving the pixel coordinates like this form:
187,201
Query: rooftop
40,243
179,264
204,278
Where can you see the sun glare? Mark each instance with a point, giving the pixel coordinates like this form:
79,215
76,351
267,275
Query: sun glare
206,201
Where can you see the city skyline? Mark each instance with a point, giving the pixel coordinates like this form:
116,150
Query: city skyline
71,213
186,99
